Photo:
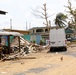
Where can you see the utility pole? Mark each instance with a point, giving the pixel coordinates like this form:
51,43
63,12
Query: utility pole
29,25
10,23
26,26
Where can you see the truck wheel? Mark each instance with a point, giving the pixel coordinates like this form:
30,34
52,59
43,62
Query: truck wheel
64,49
51,49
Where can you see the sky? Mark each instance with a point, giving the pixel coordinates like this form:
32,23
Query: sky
21,13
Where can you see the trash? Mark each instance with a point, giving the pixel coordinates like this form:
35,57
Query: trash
61,58
56,52
3,72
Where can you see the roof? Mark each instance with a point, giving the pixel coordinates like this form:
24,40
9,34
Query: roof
19,31
2,32
42,27
69,30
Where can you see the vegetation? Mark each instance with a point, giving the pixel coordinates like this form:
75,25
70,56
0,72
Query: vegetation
42,42
44,15
72,15
34,41
60,20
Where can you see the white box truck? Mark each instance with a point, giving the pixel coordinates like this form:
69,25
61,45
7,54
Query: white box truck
57,39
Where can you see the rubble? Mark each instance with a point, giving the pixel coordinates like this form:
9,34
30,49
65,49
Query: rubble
17,58
32,47
25,48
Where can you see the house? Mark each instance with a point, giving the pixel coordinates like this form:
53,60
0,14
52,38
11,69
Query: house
39,34
69,33
20,31
25,33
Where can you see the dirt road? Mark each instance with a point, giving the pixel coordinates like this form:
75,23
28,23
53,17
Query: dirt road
44,64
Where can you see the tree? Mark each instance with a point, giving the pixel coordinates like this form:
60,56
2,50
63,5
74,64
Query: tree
60,20
43,14
72,12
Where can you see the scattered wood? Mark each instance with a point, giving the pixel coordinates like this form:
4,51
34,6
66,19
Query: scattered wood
18,58
26,47
31,46
27,57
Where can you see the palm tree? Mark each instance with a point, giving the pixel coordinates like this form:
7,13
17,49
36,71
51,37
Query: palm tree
60,20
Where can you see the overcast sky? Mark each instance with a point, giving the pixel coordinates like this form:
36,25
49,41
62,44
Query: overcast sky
20,11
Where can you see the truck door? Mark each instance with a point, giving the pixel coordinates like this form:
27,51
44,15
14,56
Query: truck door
53,38
61,37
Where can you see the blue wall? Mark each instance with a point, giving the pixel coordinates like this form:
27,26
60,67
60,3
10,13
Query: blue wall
38,38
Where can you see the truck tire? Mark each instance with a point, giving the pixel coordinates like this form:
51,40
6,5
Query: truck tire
51,49
64,49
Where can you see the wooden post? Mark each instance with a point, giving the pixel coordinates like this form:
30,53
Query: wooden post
0,55
8,44
19,42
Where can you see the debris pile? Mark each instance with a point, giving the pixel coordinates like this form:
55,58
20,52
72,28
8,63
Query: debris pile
25,48
26,45
17,57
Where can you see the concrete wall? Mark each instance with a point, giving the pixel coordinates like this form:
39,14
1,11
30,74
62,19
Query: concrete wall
35,38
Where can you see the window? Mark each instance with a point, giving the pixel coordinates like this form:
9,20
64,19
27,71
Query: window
39,30
46,30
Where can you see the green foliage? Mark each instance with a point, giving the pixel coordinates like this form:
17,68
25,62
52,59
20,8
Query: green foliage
72,16
34,41
41,42
60,20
